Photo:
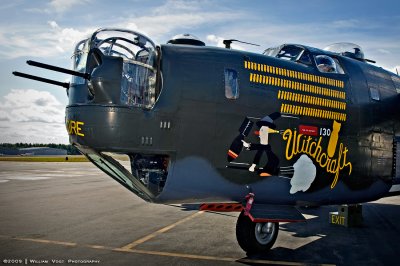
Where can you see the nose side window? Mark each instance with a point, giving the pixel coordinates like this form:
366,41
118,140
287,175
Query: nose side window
374,93
231,84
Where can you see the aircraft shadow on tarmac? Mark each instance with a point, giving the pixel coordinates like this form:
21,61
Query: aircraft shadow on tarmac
374,243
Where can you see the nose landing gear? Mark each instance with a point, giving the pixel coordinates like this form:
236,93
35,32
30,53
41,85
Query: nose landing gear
255,237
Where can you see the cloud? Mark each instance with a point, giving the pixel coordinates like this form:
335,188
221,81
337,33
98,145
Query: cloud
384,51
61,6
57,6
179,6
32,116
223,21
218,41
346,24
26,133
176,17
44,42
160,23
4,117
53,24
32,106
269,32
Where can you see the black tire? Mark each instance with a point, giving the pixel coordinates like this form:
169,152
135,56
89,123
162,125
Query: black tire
246,235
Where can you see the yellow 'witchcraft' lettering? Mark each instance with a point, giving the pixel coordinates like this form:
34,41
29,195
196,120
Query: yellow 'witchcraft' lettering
301,144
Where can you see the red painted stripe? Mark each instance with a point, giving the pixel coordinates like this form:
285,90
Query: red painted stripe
221,207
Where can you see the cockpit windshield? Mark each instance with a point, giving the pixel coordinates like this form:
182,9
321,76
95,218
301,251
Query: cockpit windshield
290,52
139,71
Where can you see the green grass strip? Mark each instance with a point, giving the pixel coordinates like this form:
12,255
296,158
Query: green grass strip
69,158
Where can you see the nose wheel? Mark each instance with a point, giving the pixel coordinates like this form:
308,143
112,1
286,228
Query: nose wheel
255,237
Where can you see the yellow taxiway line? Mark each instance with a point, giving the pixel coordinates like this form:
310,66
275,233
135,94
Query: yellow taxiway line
159,232
160,253
130,248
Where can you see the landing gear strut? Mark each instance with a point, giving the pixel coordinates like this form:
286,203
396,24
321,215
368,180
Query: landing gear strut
255,237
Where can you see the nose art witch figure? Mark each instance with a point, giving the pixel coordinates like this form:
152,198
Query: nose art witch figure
266,126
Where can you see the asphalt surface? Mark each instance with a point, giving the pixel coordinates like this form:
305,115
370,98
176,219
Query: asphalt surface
73,214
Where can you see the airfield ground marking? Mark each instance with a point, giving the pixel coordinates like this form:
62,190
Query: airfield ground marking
45,241
160,253
160,231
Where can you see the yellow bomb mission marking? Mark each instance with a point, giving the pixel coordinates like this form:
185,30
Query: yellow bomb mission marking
75,128
301,144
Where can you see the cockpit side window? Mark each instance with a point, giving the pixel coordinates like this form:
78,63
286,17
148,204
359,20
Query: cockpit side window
339,67
290,52
327,64
305,58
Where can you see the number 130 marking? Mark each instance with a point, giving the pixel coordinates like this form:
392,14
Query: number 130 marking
324,131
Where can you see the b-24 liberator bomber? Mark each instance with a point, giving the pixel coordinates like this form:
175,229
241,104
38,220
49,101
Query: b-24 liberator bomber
256,133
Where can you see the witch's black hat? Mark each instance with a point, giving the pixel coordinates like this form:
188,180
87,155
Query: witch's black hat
268,120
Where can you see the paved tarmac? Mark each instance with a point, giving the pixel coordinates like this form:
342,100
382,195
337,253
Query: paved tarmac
73,214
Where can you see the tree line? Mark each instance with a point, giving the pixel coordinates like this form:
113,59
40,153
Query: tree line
71,150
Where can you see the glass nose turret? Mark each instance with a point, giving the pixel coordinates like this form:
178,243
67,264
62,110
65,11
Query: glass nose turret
122,65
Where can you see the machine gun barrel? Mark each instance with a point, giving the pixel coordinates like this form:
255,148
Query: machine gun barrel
58,69
50,81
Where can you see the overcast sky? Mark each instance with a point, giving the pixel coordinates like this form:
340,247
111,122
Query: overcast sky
46,31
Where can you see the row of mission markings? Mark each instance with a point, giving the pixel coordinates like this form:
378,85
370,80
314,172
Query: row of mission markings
284,83
293,74
296,97
312,112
